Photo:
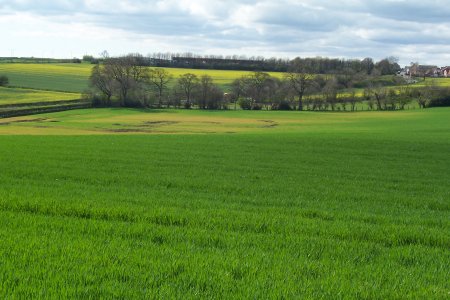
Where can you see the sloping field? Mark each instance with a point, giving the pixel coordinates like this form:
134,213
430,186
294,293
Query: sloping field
19,96
74,77
56,77
437,81
192,204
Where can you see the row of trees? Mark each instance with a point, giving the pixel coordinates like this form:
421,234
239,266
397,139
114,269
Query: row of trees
124,79
128,83
316,65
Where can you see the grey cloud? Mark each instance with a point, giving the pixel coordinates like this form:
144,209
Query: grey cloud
430,11
344,28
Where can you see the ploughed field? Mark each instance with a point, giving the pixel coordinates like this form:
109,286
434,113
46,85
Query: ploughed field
113,203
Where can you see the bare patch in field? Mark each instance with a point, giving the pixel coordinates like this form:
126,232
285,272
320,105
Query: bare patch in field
30,120
153,123
124,130
269,123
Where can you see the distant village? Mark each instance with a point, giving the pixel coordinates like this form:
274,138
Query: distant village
416,70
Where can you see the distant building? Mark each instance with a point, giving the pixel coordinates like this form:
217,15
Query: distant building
445,72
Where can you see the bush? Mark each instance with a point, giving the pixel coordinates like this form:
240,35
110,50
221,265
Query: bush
257,107
283,105
441,101
4,81
245,103
97,100
134,103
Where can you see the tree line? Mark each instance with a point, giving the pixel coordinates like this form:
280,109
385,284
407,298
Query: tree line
316,65
125,81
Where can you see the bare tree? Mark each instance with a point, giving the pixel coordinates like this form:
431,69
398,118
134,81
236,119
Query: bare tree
279,94
425,94
391,100
126,72
205,88
330,92
255,85
404,97
188,83
300,82
238,89
352,99
101,80
160,79
216,98
378,93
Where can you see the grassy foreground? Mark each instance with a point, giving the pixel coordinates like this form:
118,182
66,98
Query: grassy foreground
308,205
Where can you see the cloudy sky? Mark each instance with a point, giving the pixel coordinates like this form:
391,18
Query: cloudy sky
413,30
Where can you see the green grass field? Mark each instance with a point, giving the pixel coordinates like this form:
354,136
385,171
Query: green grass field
19,95
112,203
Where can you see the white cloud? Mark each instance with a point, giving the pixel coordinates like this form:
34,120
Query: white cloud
412,30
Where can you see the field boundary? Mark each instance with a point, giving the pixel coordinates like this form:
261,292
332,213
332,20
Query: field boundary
25,109
42,103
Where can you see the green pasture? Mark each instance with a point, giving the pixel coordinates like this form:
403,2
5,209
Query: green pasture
20,95
435,81
121,204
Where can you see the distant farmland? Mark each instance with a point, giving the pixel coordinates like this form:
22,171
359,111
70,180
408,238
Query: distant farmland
20,95
74,77
55,77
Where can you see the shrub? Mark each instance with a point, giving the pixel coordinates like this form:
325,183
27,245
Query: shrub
283,105
4,81
257,107
245,103
440,101
97,100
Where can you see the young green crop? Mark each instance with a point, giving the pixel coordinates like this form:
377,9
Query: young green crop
320,205
55,77
20,96
75,77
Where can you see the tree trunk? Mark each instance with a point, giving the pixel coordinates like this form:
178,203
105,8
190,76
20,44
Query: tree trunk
160,99
300,103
